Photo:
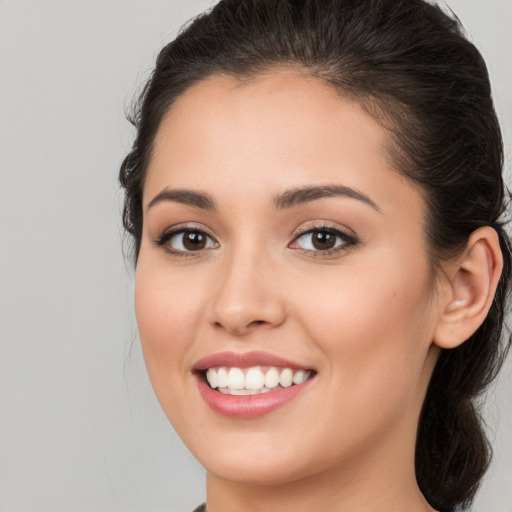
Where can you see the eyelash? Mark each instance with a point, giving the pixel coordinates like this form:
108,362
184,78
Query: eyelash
165,238
348,241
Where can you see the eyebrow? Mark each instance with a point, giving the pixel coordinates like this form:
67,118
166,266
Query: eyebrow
302,195
288,199
183,196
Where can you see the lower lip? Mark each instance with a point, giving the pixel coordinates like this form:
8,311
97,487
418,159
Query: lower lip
249,406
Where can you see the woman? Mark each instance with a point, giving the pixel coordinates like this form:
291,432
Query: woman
316,202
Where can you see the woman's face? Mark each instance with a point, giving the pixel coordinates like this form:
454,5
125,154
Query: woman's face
279,244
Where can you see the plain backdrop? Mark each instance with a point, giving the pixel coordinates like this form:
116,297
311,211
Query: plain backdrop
80,429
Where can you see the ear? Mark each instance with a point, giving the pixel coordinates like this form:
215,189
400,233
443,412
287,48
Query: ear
471,281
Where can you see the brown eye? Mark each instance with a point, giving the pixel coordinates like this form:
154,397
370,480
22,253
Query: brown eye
186,241
325,240
194,240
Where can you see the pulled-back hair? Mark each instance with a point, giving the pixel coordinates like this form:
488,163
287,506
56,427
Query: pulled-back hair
408,64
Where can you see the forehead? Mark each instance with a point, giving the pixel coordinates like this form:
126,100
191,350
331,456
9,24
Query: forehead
297,113
276,131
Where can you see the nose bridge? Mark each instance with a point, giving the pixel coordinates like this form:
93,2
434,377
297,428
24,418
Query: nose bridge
246,296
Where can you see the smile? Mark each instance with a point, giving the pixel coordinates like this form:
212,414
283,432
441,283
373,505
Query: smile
252,384
253,380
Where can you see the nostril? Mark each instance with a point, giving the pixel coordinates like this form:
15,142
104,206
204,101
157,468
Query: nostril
255,323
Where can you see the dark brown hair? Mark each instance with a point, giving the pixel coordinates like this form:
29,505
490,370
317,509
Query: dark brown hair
408,63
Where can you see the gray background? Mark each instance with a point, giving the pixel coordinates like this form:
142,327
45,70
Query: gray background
80,429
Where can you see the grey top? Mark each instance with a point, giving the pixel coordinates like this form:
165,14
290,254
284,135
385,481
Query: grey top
201,508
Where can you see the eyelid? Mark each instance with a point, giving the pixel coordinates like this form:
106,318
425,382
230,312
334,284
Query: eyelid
172,231
350,240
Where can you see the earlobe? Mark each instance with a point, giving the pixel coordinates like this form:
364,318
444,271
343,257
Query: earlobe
472,281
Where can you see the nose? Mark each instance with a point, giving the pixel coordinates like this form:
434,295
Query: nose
248,296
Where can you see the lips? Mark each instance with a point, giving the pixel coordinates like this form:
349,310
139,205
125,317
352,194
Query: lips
245,360
251,384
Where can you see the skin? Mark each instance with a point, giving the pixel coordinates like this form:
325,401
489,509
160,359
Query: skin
364,317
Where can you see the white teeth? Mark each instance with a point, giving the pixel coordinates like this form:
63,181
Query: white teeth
240,392
301,376
286,378
222,378
212,378
298,377
236,379
271,378
254,379
251,381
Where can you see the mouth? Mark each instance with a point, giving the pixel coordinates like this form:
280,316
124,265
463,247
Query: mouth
254,380
250,385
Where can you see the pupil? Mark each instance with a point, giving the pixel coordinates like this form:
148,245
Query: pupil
323,240
194,241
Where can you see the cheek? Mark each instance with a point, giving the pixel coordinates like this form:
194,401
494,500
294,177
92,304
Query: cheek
167,311
374,324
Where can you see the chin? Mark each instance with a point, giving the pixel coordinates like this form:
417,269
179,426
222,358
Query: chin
255,472
262,459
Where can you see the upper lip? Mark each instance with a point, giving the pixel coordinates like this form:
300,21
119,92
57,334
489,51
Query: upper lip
245,360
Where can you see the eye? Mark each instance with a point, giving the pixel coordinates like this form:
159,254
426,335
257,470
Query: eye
186,240
324,240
